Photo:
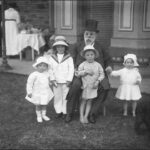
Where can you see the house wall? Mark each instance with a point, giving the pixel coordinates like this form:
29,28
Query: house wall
131,31
102,11
36,12
40,13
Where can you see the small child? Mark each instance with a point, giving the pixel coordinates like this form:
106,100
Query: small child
63,69
38,88
92,74
130,79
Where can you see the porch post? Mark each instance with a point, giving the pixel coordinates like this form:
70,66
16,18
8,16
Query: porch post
4,65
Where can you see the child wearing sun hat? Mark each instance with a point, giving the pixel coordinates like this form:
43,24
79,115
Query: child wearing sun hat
91,73
38,88
130,80
63,69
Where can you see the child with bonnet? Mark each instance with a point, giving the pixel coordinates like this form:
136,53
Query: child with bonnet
38,88
130,80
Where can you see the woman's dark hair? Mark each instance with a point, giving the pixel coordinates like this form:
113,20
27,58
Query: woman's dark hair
13,5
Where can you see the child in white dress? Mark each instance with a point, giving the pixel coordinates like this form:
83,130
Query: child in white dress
63,69
38,88
92,74
130,80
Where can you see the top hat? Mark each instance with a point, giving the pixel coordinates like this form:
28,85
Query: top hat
91,25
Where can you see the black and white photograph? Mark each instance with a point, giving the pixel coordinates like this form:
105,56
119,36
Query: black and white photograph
75,74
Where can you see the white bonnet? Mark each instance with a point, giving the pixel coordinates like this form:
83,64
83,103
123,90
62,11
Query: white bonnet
131,56
39,60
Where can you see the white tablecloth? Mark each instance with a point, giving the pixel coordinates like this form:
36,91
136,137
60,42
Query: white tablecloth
34,40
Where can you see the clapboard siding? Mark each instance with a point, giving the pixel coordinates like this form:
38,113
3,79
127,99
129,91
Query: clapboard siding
102,11
34,11
37,13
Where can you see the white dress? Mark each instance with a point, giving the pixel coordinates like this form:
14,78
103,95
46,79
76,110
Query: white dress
38,85
128,89
12,18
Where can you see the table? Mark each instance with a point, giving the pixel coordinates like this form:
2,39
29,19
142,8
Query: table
34,40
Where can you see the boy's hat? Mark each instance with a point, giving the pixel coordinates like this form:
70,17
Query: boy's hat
91,25
133,57
87,48
60,40
39,60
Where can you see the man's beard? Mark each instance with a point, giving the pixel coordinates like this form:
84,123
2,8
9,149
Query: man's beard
89,41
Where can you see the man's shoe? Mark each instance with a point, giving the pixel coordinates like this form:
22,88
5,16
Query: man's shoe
59,115
68,118
64,116
92,119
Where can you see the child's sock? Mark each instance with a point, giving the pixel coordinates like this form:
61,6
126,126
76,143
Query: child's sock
133,114
39,116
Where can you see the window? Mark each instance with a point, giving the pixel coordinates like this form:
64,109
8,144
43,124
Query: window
126,15
146,18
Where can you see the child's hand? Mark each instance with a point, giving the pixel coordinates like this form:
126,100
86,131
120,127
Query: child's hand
54,83
68,83
76,73
50,84
108,70
137,82
30,95
95,86
89,71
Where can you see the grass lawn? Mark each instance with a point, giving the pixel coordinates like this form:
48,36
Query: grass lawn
19,129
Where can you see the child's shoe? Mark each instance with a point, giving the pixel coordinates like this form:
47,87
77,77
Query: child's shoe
39,119
46,118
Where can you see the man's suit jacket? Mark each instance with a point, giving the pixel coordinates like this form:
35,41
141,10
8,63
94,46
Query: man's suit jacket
104,58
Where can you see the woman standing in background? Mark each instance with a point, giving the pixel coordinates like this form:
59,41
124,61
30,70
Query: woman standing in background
12,19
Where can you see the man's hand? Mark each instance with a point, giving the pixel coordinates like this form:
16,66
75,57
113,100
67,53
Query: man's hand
138,82
29,95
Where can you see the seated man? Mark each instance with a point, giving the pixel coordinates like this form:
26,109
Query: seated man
90,34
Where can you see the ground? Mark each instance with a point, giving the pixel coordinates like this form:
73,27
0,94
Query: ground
19,129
